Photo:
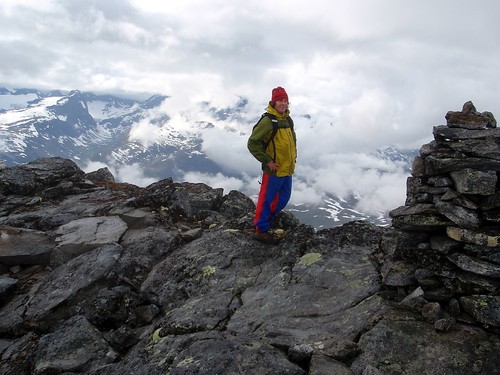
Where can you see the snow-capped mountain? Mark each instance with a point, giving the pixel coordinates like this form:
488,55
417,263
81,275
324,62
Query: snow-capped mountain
102,128
83,126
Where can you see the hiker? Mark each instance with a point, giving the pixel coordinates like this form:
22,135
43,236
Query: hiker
273,143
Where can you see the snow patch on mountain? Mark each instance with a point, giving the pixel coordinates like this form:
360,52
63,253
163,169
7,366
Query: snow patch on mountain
101,110
15,100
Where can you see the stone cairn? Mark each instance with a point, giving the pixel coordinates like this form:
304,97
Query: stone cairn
444,244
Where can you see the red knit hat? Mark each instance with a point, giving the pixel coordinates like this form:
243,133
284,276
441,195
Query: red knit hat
278,94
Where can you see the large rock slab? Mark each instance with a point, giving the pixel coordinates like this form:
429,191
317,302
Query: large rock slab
24,247
39,174
420,222
83,235
198,282
77,346
144,249
208,352
414,347
305,303
67,282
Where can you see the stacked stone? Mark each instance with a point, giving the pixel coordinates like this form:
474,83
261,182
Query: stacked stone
446,239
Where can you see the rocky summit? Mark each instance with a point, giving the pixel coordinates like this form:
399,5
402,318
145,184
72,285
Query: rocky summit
99,277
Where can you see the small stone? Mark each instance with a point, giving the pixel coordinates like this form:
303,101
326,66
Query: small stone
414,301
443,325
468,107
432,312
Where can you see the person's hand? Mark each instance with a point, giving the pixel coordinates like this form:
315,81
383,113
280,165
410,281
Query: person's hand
273,166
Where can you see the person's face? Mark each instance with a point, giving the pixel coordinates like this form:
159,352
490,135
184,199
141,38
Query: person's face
281,105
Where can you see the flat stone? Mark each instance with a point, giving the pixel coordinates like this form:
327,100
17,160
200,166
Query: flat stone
136,218
459,215
483,148
423,222
485,309
473,237
24,247
83,235
473,181
475,265
417,209
438,166
471,120
457,134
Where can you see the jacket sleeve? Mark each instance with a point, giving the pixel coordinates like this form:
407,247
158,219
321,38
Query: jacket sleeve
254,144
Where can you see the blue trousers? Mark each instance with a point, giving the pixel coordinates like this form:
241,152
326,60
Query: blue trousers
274,195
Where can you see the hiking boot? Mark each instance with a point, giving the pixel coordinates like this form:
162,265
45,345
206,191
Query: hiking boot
266,237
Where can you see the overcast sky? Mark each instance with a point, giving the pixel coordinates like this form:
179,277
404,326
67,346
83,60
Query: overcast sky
370,73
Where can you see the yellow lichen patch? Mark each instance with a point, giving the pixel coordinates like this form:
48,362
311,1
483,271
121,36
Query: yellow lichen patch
310,258
347,271
156,335
186,362
493,241
208,271
470,236
279,233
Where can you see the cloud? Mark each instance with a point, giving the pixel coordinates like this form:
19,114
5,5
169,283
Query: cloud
360,75
380,184
229,150
217,180
131,174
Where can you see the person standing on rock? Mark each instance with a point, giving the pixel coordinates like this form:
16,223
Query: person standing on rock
273,143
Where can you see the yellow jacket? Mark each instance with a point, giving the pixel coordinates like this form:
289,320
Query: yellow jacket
282,149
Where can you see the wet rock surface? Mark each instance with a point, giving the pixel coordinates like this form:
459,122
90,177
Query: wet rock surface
99,277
